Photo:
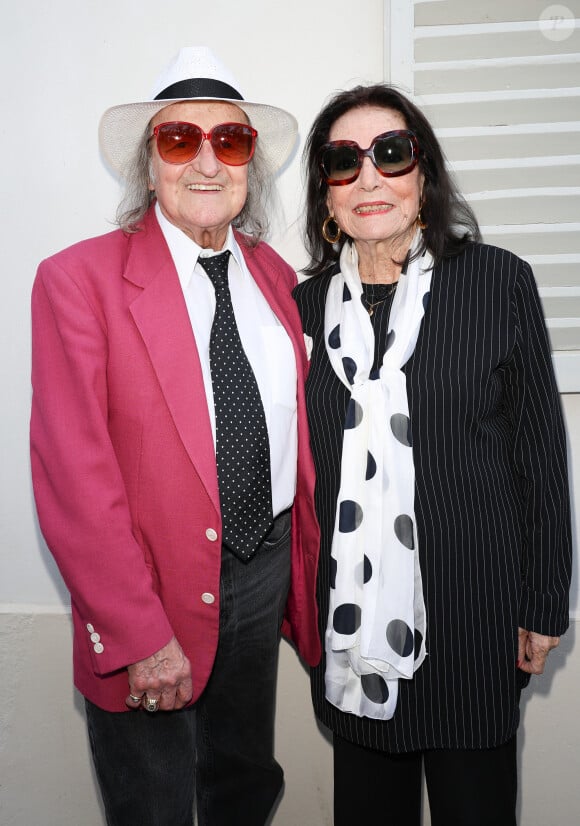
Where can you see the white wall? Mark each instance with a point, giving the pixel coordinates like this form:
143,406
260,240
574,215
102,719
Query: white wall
62,64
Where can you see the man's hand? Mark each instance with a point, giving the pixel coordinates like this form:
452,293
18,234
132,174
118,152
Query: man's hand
164,676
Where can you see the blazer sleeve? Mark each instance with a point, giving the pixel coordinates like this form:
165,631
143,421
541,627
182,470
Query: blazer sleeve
80,496
541,463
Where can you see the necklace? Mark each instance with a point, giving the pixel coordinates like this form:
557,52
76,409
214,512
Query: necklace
375,294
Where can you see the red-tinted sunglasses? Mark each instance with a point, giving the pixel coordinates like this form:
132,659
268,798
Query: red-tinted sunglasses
180,142
393,154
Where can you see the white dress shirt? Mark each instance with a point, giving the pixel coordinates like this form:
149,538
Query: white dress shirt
267,345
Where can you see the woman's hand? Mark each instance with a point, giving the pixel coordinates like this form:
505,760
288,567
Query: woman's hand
533,650
164,676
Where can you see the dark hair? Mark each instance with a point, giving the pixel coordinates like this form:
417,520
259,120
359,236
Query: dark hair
451,223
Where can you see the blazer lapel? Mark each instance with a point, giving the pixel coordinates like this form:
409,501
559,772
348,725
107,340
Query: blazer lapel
160,313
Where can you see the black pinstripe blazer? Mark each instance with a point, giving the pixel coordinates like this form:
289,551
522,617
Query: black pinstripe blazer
492,500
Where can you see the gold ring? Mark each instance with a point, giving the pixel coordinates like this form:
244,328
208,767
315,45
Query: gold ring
151,704
135,699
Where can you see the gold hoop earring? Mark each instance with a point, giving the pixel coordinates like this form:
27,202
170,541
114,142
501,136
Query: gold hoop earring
419,219
331,239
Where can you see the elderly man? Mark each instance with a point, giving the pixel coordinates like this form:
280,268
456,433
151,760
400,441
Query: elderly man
170,455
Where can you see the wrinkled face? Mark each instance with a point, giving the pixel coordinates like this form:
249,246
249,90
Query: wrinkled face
374,208
203,196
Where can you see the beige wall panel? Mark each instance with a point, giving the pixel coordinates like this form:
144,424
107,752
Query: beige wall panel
557,274
499,144
492,11
543,209
562,307
564,338
492,44
538,109
494,78
517,177
535,242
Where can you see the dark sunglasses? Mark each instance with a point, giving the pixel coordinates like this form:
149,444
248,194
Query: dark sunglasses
392,153
180,142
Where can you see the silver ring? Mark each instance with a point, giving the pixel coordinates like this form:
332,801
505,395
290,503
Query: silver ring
135,699
151,704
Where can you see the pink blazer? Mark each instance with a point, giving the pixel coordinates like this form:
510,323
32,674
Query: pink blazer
123,460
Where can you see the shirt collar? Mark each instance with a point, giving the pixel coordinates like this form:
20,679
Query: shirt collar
185,251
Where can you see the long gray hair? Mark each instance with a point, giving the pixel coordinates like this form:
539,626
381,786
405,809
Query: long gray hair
253,220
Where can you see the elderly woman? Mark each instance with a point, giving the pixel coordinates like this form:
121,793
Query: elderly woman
441,491
170,462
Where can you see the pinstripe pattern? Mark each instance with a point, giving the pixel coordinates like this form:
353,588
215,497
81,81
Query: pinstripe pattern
492,503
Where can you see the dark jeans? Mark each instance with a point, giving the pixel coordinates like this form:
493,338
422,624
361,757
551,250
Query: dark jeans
147,763
465,787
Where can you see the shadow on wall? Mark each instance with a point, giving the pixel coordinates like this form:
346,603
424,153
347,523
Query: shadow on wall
541,703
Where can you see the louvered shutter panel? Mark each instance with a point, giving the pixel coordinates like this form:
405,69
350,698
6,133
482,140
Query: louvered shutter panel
500,82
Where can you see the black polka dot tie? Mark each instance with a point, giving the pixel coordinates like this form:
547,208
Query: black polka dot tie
242,447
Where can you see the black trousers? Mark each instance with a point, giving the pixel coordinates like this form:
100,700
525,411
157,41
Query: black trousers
220,751
465,787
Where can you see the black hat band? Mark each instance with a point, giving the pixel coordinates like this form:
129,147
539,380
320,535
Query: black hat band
199,87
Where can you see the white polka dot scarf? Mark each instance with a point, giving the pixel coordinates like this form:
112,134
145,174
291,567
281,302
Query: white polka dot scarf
376,624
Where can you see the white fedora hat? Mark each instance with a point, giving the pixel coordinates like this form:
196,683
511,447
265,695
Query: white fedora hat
194,74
